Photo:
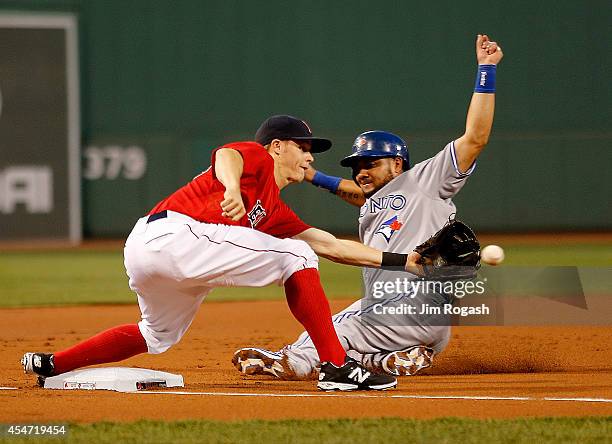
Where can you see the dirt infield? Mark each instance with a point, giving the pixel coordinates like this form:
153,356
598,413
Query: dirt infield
532,363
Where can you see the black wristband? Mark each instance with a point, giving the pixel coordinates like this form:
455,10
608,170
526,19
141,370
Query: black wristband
393,259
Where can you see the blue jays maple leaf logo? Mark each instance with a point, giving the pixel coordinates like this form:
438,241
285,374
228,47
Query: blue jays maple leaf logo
389,227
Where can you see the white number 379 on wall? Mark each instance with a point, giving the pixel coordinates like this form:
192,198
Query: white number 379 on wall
113,162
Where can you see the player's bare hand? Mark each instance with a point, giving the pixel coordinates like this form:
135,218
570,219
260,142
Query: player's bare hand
413,264
309,174
232,205
487,52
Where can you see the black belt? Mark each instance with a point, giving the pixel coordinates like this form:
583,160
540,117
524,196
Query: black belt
155,216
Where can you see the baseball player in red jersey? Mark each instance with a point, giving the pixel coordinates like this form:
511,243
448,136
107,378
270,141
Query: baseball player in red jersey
229,227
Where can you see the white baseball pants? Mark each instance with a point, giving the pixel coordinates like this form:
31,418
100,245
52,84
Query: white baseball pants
175,261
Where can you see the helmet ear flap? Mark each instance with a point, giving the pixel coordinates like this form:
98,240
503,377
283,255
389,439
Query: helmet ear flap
405,165
354,172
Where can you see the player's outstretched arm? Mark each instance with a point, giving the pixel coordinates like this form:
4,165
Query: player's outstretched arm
228,169
350,192
346,189
480,113
355,253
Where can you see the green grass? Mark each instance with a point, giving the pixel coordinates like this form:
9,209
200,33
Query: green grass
73,277
63,277
66,277
444,430
584,255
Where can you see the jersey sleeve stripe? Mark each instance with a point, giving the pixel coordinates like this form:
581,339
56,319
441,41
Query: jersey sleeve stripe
456,166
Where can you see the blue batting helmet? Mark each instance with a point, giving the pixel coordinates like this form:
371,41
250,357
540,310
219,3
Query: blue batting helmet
377,144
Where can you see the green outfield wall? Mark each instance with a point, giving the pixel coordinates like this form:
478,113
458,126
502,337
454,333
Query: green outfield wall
164,82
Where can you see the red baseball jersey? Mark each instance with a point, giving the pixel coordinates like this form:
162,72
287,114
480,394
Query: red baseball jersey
201,198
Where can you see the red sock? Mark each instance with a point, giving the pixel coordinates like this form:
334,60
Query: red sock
309,305
112,345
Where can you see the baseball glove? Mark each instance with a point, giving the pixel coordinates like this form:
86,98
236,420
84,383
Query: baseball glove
452,253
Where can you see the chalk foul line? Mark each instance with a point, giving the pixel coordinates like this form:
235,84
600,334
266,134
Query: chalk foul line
364,395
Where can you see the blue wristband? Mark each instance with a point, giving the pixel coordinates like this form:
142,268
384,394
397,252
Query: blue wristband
330,183
485,79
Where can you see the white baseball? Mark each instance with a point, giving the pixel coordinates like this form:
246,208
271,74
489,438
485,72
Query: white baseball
492,255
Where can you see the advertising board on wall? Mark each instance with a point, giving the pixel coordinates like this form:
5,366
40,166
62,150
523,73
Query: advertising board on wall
39,128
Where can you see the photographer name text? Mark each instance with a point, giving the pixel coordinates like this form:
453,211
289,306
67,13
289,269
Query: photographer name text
426,309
